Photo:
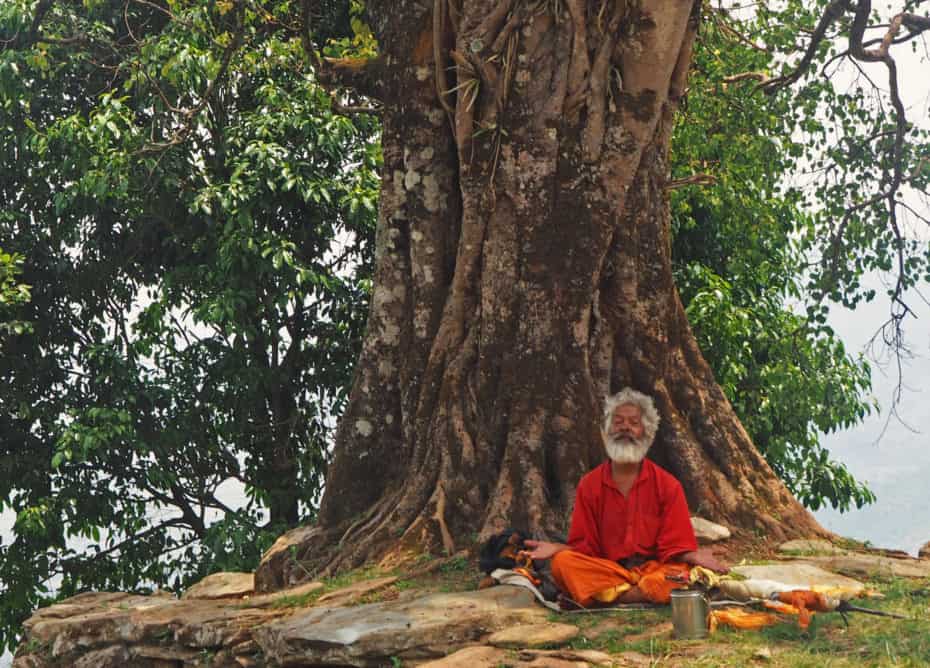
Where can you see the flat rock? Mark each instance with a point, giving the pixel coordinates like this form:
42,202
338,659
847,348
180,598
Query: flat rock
709,532
801,575
222,585
483,656
113,630
810,547
282,596
480,656
872,565
533,635
416,629
356,591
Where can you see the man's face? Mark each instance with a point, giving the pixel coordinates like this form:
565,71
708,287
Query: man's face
626,441
627,422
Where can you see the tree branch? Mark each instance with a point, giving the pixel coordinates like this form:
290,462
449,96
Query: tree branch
831,14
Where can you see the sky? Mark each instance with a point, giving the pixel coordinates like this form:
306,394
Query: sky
891,452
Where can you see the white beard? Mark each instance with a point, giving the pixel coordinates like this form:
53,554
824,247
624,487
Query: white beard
623,450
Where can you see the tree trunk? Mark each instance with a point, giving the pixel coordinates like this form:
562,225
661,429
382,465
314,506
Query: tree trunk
523,272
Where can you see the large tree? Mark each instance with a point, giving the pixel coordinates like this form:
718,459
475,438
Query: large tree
523,270
196,223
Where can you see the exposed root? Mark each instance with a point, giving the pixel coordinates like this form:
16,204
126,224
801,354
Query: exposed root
439,61
448,543
599,83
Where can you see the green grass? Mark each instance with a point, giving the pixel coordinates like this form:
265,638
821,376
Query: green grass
868,641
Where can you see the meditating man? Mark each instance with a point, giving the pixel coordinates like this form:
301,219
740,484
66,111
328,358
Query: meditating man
630,526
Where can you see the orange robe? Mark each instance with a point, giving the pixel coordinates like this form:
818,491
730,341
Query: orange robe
584,577
651,521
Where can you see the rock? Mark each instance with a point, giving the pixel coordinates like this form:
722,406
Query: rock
109,630
280,566
542,657
480,656
924,551
103,630
762,654
491,657
222,585
111,657
872,565
417,629
636,660
283,596
533,635
708,532
801,575
809,547
355,592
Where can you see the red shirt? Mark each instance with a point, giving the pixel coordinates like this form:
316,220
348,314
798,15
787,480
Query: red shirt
652,521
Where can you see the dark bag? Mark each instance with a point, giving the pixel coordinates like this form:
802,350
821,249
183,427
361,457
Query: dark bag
501,551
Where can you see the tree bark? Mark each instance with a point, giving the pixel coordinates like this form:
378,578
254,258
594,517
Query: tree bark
523,272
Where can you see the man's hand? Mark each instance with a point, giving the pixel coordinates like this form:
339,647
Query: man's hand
542,549
704,557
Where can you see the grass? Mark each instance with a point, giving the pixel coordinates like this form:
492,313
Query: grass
868,641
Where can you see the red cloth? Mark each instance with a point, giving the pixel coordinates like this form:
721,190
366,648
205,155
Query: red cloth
653,521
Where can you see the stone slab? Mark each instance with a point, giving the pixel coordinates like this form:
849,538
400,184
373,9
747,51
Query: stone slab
801,575
417,629
222,585
810,547
869,565
356,591
483,656
533,635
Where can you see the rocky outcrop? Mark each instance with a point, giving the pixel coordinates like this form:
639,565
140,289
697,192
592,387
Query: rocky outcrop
870,566
222,585
865,562
116,630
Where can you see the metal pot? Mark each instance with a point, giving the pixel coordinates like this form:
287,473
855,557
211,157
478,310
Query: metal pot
690,613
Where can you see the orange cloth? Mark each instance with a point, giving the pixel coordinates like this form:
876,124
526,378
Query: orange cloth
741,619
583,577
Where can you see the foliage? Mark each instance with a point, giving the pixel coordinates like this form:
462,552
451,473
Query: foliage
197,224
11,293
747,248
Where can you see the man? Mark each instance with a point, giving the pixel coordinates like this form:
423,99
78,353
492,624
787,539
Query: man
631,526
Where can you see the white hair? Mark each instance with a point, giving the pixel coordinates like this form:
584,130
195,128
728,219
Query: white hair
647,408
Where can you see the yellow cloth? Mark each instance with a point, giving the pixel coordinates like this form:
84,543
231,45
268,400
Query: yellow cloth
589,579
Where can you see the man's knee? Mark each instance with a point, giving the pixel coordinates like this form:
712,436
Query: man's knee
561,561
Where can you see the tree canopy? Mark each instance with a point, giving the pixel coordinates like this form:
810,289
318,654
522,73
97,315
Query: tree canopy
197,223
